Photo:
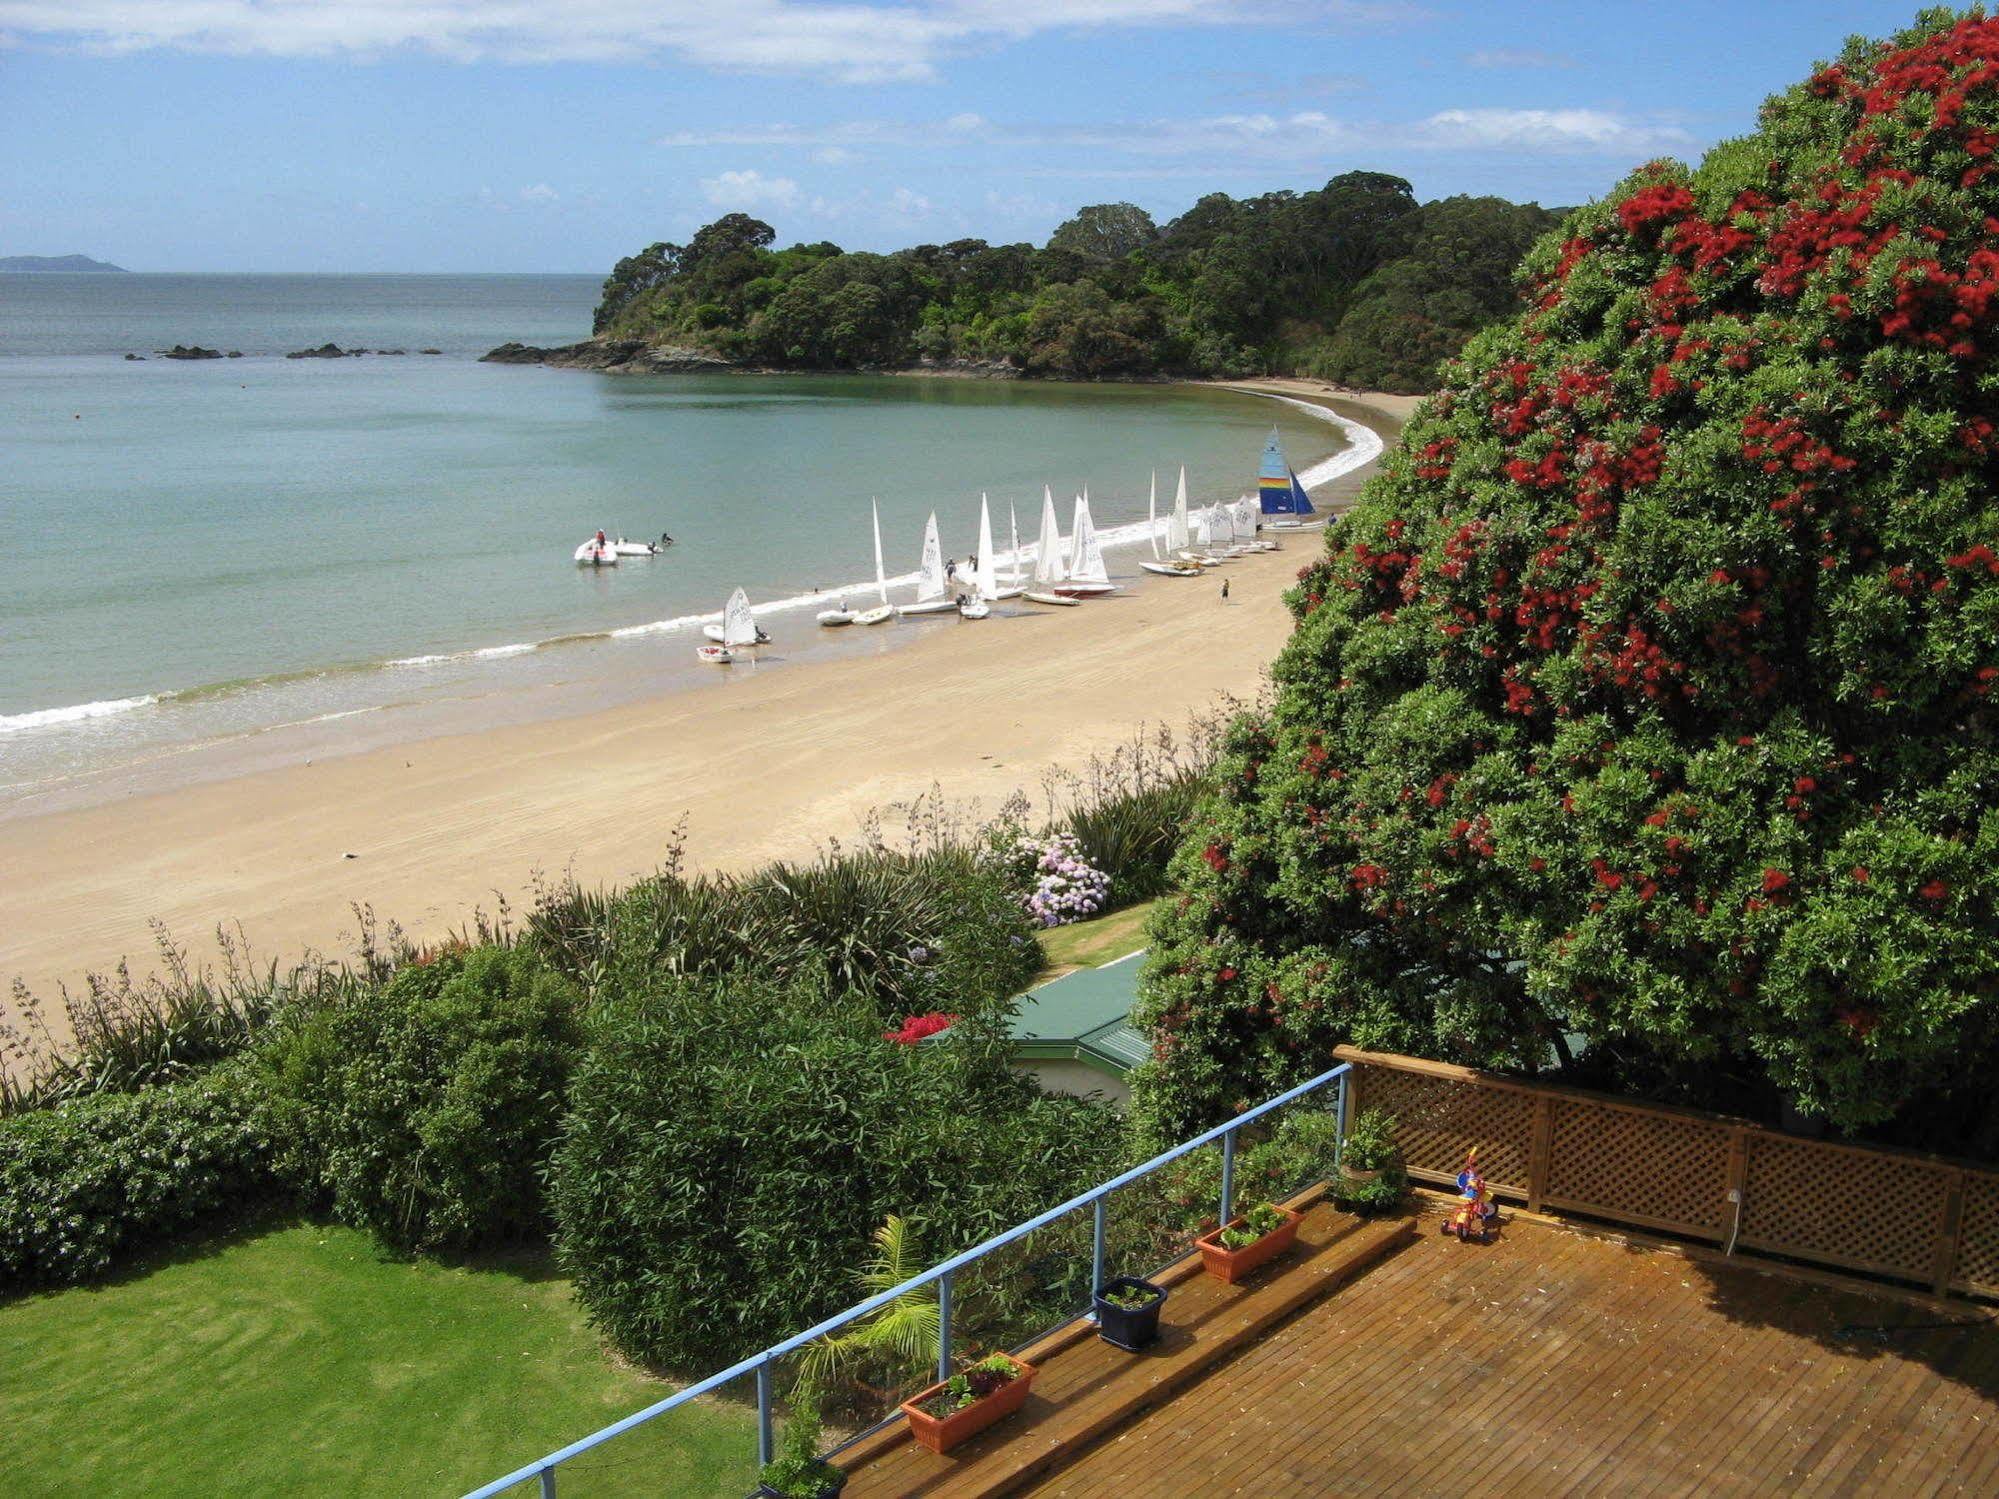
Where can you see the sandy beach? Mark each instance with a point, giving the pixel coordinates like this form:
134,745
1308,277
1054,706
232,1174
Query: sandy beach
762,762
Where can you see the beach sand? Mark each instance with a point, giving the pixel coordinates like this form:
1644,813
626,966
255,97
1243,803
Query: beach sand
762,762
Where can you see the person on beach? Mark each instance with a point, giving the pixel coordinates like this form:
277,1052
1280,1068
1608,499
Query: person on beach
1225,590
950,569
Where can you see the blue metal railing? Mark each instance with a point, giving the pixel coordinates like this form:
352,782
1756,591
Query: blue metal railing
760,1364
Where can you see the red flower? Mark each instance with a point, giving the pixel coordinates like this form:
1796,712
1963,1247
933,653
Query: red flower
1774,880
1934,890
916,1027
1860,873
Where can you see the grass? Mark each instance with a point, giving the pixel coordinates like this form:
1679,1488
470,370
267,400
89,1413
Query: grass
1091,944
298,1359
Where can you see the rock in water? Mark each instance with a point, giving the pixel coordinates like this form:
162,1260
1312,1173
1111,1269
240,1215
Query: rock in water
324,351
188,351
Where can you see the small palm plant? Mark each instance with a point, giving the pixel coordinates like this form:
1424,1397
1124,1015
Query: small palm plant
892,1343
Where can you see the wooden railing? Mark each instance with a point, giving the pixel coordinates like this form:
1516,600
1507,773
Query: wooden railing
1898,1214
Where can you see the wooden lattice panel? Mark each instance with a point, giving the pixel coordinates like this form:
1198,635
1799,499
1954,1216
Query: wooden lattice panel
1438,1119
1846,1207
1977,1266
1655,1169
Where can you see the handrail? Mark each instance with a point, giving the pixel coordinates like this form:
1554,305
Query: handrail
544,1468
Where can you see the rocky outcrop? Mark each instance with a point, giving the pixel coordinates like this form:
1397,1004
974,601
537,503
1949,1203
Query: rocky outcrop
970,369
139,358
188,351
325,351
613,356
430,351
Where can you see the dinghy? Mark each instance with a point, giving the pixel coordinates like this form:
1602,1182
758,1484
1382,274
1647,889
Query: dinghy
985,574
1015,587
930,595
737,631
1088,577
737,627
595,553
1282,499
1038,596
881,613
1051,570
840,614
1174,569
626,548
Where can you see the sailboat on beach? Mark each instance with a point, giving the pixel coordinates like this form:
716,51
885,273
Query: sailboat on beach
1051,569
985,571
1176,564
880,612
1088,576
1284,503
931,597
737,631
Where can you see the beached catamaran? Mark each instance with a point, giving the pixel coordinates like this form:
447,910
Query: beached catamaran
1282,499
1176,563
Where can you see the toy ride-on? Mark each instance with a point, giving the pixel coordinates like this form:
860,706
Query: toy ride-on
1476,1214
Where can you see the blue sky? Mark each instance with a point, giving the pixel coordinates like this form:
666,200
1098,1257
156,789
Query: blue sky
557,135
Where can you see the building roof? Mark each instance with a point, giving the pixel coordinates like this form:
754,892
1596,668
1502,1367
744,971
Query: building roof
1083,1016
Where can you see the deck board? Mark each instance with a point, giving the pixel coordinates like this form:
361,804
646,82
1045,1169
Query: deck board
1547,1362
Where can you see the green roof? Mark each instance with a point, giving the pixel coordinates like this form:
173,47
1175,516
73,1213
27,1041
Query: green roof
1083,1016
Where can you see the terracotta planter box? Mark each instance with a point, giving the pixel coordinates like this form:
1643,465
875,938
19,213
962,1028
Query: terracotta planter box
1231,1265
941,1433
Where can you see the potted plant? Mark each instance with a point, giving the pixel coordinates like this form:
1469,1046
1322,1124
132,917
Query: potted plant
1249,1242
799,1472
1370,1175
966,1404
1128,1312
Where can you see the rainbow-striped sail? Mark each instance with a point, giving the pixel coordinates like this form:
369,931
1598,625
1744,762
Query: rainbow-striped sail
1277,488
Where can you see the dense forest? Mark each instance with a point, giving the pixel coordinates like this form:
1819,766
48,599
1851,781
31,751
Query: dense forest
1356,282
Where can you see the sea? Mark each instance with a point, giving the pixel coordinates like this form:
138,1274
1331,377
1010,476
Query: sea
212,566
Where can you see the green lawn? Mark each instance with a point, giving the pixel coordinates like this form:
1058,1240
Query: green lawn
299,1360
1091,944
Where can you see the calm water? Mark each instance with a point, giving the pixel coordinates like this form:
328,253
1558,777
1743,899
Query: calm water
196,552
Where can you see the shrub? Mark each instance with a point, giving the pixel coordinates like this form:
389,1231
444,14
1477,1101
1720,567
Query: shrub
1130,835
912,932
1647,695
1370,1146
732,1145
91,1181
425,1109
1051,879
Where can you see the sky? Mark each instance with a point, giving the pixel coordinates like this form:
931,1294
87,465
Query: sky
559,135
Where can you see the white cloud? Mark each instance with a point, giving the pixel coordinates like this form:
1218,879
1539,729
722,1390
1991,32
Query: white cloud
750,189
540,192
851,41
907,203
1302,137
1517,57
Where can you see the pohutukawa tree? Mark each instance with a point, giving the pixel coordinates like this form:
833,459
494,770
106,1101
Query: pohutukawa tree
1639,720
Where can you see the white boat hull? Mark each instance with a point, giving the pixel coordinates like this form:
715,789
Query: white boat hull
934,606
1171,570
1036,596
715,655
1293,525
1082,590
634,548
877,616
832,617
592,555
974,609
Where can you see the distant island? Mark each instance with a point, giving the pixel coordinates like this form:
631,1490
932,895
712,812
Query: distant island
55,265
1355,282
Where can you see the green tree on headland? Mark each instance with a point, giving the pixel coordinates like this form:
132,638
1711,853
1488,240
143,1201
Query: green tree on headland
1284,283
1639,721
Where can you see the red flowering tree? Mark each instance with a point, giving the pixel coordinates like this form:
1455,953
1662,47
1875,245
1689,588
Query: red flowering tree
1639,720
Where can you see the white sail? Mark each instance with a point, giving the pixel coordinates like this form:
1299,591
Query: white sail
1048,563
985,577
1176,527
1245,518
931,583
1013,526
739,626
881,578
1089,565
1152,515
1203,527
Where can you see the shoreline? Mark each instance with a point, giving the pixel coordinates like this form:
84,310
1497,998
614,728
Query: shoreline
424,831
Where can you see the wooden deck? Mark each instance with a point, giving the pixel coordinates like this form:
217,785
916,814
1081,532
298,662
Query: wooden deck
1546,1362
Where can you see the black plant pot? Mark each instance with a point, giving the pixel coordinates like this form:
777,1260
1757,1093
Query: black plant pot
1126,1327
